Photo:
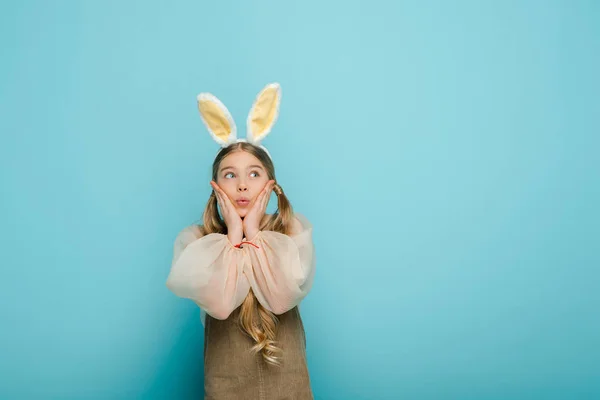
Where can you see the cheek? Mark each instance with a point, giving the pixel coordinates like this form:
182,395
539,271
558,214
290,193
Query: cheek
260,184
227,186
256,189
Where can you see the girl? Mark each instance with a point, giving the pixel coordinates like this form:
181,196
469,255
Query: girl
247,270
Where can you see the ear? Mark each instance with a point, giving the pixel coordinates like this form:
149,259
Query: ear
264,113
217,119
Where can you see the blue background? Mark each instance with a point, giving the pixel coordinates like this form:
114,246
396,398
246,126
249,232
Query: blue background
447,153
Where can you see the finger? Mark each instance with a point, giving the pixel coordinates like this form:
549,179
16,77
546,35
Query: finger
263,206
227,200
265,201
220,192
220,200
221,195
259,197
271,185
270,189
228,204
268,198
266,191
217,188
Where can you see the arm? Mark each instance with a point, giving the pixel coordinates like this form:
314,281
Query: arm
208,270
281,269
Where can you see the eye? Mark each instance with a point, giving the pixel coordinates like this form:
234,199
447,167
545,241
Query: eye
227,174
255,172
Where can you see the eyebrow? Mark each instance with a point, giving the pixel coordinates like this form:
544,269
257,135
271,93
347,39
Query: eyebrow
249,167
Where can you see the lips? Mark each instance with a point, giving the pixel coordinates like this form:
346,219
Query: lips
242,201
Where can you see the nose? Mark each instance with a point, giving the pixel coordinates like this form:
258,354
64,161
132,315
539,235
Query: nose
242,188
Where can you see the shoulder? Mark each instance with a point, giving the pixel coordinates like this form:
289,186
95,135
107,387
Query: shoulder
297,226
189,234
300,224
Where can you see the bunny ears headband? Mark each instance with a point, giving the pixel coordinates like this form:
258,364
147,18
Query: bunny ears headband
262,117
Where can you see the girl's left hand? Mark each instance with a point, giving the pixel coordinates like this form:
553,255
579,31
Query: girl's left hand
254,217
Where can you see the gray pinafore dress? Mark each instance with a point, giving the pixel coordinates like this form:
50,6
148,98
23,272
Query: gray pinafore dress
232,372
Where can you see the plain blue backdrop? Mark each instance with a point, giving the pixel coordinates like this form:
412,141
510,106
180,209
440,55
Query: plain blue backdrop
446,152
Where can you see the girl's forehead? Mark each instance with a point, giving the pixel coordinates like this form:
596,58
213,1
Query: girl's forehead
240,159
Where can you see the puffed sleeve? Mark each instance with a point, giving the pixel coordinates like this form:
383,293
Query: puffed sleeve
282,267
208,270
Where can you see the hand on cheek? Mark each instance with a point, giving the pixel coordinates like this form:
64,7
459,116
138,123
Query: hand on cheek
252,220
230,215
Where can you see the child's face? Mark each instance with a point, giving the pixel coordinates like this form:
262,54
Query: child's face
242,177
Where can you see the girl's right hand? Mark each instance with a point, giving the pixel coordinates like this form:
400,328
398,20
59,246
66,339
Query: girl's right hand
230,215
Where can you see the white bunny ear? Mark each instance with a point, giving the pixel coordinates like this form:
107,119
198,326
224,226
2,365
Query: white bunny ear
264,113
217,119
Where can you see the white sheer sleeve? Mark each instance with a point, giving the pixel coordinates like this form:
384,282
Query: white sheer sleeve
209,271
282,267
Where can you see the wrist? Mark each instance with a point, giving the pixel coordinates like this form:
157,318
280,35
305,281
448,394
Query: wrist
251,234
235,236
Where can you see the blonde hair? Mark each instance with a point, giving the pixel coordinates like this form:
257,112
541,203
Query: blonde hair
256,321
